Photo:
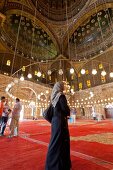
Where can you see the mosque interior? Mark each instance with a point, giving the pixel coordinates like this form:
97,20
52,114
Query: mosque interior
45,41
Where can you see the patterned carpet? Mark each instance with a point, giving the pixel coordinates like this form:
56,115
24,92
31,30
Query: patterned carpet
91,146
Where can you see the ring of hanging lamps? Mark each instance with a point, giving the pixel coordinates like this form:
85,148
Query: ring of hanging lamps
94,71
103,73
83,71
71,70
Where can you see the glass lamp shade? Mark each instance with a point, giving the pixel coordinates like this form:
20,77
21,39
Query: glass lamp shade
111,74
103,73
71,70
83,71
39,74
94,71
29,75
22,78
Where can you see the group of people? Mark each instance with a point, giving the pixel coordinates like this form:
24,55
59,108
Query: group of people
97,116
58,155
14,113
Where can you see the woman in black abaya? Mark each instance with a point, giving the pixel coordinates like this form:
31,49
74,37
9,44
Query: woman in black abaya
58,156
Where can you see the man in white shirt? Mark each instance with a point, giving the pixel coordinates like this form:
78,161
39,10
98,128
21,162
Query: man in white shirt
14,126
94,115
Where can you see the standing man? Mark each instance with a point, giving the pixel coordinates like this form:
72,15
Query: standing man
1,108
94,115
14,126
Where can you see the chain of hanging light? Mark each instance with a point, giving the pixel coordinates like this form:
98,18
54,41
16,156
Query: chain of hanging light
94,72
42,102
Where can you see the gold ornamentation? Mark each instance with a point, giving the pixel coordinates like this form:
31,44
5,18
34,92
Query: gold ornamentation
88,83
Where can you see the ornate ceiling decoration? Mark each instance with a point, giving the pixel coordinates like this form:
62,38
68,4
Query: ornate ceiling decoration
31,38
93,37
2,19
59,10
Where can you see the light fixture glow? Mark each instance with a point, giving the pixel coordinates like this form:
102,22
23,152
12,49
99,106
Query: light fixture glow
22,78
91,94
39,74
83,71
47,91
29,75
71,70
103,73
94,71
111,74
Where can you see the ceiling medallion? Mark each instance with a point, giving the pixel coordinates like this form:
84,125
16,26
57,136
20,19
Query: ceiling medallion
57,9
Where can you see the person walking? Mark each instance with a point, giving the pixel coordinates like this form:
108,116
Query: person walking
58,156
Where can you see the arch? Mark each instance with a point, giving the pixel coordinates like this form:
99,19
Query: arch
42,24
82,19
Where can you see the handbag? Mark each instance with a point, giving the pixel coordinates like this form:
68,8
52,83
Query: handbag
48,113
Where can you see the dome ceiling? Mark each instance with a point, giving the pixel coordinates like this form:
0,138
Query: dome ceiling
93,36
56,9
33,41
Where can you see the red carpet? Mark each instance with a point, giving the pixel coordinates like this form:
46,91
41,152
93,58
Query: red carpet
91,146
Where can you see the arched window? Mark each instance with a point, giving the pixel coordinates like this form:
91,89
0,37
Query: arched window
8,63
